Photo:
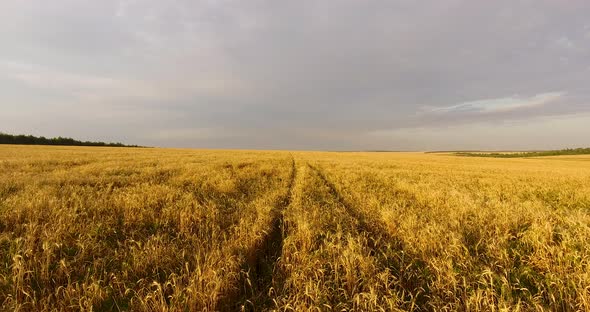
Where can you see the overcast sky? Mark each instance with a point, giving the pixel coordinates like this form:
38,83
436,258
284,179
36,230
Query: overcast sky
328,75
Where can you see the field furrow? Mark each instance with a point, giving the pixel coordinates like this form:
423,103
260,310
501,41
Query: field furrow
387,250
325,249
258,270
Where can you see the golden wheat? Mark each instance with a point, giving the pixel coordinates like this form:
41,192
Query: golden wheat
102,229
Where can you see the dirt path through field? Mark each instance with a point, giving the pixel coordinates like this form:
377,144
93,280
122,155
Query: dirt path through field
387,248
259,274
375,228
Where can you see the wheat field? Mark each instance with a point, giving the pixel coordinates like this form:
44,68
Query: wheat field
142,229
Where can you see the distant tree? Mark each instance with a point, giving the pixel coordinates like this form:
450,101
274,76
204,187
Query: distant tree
33,140
568,151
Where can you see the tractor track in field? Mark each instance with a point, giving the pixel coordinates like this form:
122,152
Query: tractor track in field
259,272
375,229
379,240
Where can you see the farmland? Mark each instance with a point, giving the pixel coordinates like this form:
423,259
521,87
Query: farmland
98,228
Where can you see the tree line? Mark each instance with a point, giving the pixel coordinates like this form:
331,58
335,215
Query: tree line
569,151
33,140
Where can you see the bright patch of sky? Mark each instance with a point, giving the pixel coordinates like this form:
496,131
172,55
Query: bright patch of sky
501,104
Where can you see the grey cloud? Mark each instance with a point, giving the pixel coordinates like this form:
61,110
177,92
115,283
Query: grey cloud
300,74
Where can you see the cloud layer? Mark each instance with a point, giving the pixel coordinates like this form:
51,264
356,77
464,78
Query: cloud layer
299,74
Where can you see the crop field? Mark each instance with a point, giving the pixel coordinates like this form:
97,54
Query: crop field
142,229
